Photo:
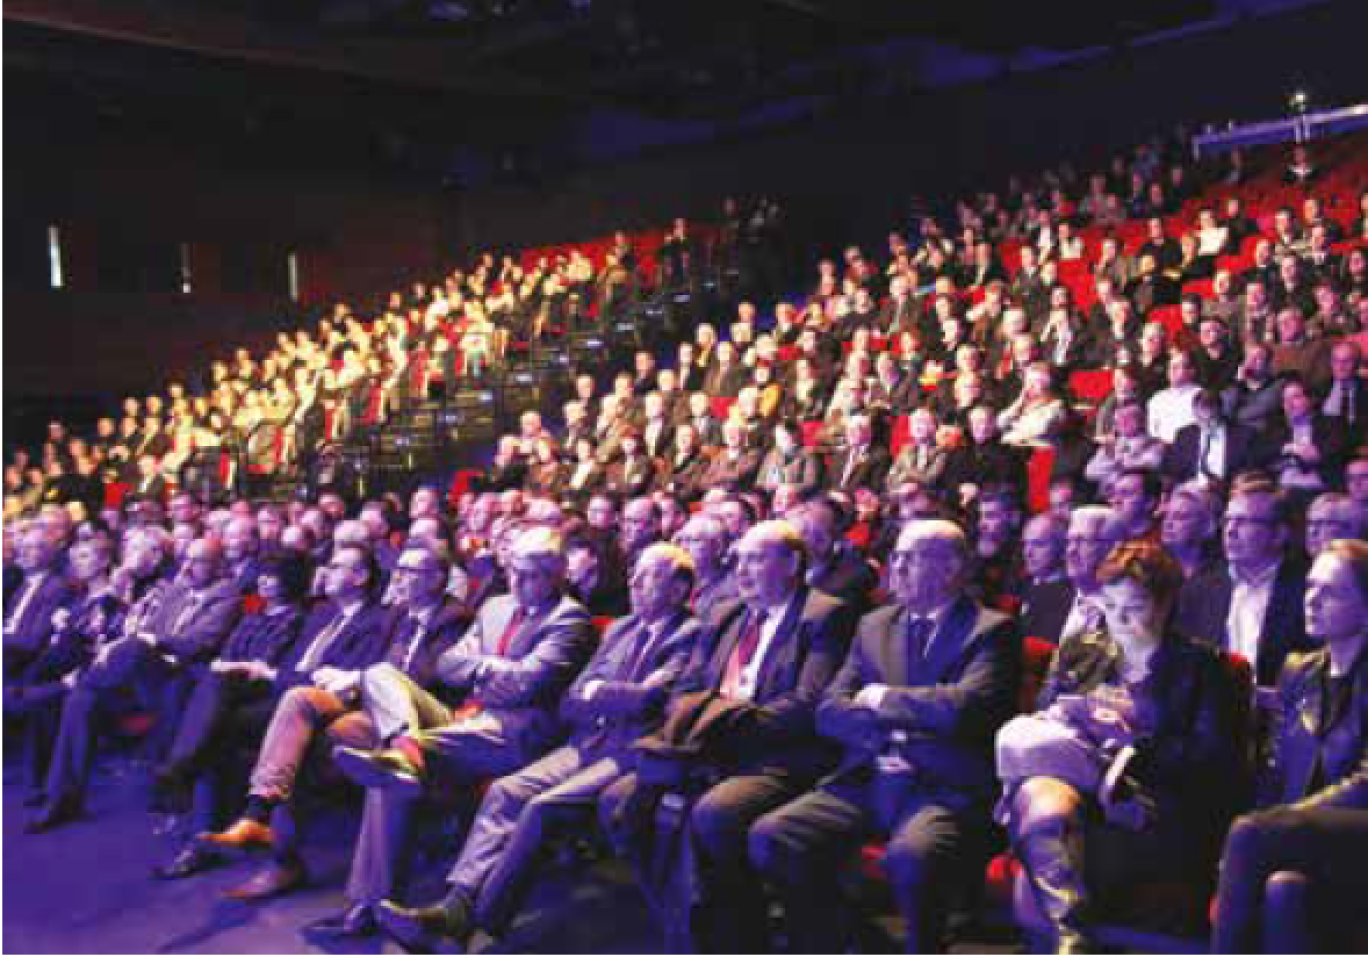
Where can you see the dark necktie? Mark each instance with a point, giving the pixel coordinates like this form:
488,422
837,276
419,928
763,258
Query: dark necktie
637,654
919,631
417,631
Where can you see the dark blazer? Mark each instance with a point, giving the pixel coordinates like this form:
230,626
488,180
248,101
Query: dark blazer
721,382
950,702
1357,432
1191,755
709,429
847,577
1323,738
636,683
801,468
361,643
732,475
1242,452
1328,436
443,631
664,443
1045,608
905,468
630,478
682,479
195,631
778,730
1204,604
33,631
263,637
869,473
522,687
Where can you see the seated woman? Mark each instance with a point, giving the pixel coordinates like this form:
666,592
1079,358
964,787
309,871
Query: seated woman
1297,869
1130,769
243,672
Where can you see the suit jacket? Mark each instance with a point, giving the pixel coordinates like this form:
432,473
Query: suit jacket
634,477
32,632
1204,605
949,702
733,475
417,654
778,730
1353,415
725,382
847,577
905,468
869,473
635,683
520,686
1045,607
664,441
1322,736
1242,452
361,643
801,468
194,630
1329,438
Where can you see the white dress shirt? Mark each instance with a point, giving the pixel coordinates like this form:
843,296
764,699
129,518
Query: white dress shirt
1170,410
1249,598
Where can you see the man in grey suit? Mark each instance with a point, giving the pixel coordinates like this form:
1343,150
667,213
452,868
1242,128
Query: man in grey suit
915,707
504,680
193,616
620,695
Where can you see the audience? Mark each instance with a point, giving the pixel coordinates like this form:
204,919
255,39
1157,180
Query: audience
811,554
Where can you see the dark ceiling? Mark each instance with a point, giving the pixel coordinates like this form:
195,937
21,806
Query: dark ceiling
508,71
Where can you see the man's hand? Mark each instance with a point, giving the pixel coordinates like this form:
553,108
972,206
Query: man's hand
870,696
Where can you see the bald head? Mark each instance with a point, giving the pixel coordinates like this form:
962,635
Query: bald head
928,564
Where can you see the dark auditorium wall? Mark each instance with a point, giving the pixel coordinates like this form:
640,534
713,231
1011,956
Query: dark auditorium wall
125,198
854,169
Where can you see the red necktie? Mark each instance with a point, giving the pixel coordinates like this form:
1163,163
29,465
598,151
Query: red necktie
741,656
506,638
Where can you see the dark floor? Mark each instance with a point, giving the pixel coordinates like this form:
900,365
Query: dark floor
86,888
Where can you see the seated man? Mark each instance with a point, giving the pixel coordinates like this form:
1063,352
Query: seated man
765,660
422,625
1319,830
915,707
618,697
505,679
192,616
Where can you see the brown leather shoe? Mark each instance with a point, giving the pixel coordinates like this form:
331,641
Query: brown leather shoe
244,835
271,880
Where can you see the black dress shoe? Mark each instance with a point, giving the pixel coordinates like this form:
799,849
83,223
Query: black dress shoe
192,859
358,920
386,769
429,930
54,815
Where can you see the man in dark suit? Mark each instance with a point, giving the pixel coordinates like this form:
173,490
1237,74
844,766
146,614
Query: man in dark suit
1048,594
834,567
41,592
500,688
861,464
1345,402
1252,604
787,462
657,432
915,707
1211,449
734,468
192,617
707,428
1317,835
617,698
725,379
421,625
765,661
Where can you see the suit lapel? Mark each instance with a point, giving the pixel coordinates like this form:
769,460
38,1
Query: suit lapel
728,634
784,646
947,643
